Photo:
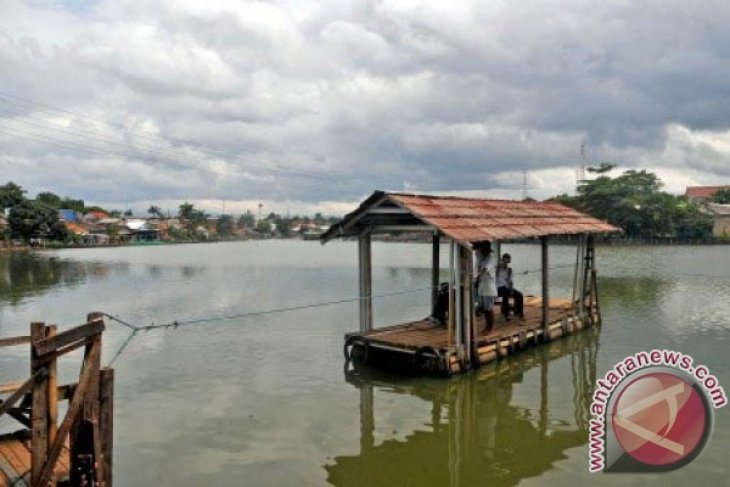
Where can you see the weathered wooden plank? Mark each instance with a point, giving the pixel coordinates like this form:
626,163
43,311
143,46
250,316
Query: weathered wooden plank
68,337
11,386
19,392
11,341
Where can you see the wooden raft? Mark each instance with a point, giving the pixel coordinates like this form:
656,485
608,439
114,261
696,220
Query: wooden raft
506,338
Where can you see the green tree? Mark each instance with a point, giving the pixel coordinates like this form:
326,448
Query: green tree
225,226
247,220
10,195
193,218
72,204
155,211
34,219
128,213
634,201
721,196
263,227
49,199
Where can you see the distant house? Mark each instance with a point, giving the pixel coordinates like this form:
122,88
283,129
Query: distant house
67,215
140,231
95,216
84,233
720,219
3,224
700,194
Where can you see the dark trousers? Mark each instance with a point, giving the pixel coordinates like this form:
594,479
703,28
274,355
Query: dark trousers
504,293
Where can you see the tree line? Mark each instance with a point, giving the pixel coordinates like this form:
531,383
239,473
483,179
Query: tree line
635,202
38,217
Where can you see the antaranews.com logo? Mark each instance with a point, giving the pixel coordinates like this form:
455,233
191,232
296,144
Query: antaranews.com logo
652,412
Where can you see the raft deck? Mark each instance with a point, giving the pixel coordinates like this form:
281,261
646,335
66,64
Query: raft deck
507,336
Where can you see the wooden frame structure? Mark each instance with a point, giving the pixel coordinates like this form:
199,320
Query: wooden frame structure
78,450
459,344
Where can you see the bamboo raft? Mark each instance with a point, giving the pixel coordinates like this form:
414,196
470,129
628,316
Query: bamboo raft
457,343
426,342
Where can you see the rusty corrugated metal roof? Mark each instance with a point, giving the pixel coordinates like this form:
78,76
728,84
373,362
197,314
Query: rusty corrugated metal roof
478,219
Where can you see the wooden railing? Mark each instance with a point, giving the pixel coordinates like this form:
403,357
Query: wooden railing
87,427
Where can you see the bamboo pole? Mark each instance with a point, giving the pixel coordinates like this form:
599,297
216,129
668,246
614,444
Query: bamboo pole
435,264
545,286
365,267
452,321
459,301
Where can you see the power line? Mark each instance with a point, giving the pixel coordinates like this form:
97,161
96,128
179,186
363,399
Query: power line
211,152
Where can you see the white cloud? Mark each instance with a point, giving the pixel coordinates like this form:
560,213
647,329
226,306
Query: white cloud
319,103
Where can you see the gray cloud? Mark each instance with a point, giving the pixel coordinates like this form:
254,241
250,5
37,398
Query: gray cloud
324,101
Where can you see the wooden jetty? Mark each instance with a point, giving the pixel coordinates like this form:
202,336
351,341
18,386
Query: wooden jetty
78,449
458,344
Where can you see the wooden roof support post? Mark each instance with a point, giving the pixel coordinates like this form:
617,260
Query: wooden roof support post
469,303
459,302
435,266
452,306
366,281
545,286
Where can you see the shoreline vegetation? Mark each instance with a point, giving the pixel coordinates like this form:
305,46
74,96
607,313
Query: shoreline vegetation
632,201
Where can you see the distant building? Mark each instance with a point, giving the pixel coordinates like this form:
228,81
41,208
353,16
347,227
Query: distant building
67,215
700,194
3,224
95,216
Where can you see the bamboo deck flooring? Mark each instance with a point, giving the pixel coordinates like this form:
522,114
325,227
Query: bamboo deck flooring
506,338
427,333
15,461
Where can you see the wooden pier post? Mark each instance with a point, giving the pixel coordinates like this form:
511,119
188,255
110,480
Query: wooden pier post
39,416
106,423
52,392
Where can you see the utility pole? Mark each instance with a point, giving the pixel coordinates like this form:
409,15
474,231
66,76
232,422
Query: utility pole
524,184
580,173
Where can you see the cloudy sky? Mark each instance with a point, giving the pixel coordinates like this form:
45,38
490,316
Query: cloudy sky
311,105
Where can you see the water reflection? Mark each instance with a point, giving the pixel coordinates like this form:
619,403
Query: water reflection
24,274
498,425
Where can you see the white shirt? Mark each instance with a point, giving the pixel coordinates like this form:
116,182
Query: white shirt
503,277
487,282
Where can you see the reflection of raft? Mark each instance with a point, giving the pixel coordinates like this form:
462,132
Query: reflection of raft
481,430
426,346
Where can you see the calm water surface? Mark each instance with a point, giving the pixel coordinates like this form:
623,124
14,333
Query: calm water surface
267,401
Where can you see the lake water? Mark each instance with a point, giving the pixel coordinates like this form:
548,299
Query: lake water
267,401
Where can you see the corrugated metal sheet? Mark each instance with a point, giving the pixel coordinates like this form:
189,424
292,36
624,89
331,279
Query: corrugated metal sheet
475,220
